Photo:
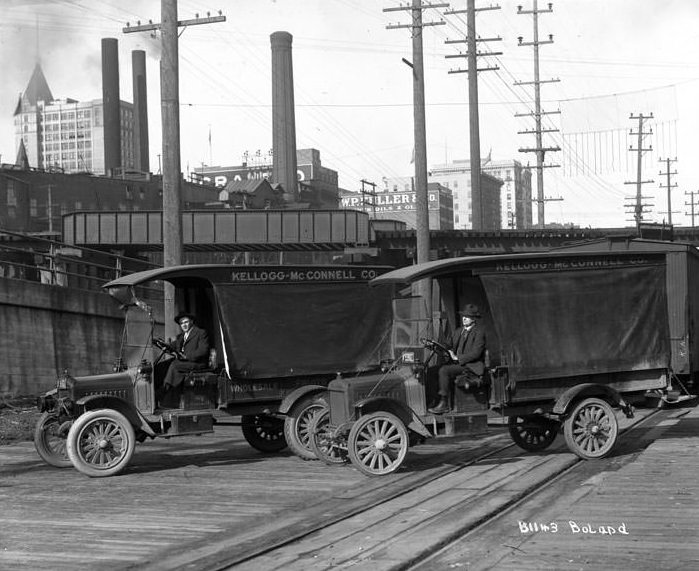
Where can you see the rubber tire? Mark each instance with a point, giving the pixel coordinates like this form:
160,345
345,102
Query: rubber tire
591,424
263,432
50,443
327,448
377,443
112,426
533,438
297,425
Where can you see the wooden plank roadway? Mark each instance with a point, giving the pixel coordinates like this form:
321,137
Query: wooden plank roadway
175,493
652,492
400,529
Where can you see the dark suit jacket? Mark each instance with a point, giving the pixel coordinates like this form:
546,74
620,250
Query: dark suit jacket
196,349
471,353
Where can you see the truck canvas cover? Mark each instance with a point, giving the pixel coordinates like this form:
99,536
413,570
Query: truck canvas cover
277,330
579,316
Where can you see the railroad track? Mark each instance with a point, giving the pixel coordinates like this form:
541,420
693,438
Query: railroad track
395,522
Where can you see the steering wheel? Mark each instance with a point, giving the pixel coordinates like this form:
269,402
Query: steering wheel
162,344
436,347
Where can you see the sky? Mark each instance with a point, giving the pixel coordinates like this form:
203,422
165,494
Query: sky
353,93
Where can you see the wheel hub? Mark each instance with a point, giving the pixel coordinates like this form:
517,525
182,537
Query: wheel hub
103,443
379,444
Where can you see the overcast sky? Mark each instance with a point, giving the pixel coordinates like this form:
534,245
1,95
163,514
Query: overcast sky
354,94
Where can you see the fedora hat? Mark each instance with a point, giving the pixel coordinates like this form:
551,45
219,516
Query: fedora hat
470,310
180,316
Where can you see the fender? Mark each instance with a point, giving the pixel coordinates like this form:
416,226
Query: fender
573,394
400,409
94,402
295,395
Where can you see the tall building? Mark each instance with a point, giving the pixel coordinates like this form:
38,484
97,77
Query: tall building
507,192
318,185
65,134
396,200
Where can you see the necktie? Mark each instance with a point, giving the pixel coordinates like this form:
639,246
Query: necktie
462,340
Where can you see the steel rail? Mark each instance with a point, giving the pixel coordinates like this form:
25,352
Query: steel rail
536,489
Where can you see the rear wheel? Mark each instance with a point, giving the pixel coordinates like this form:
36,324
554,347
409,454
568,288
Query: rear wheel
533,433
378,443
264,432
297,425
591,429
50,440
101,443
326,444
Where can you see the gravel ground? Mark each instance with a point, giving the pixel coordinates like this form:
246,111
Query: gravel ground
18,417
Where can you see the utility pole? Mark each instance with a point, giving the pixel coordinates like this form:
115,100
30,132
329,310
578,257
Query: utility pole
478,220
692,203
50,207
539,149
422,230
639,208
170,111
669,186
371,193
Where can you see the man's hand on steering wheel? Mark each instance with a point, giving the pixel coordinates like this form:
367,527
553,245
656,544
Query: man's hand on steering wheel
164,346
439,348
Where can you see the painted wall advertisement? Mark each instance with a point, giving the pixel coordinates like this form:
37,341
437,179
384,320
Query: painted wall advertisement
386,201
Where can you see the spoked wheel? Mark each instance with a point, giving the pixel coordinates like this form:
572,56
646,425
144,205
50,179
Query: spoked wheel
263,432
326,444
50,440
533,433
591,429
378,443
101,443
297,425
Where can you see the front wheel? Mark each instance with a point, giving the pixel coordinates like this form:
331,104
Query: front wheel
101,443
591,429
297,425
532,433
50,440
378,443
328,446
263,432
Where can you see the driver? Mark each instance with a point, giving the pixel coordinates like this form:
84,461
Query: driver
467,350
191,348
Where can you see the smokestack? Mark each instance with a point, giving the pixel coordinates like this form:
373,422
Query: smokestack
283,120
140,111
110,105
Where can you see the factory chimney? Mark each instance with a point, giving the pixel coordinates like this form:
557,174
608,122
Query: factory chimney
283,120
110,105
140,111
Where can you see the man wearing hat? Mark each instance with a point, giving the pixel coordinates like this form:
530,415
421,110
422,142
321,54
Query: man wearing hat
191,348
467,350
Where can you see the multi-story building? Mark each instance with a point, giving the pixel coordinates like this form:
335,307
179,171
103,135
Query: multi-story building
318,185
65,134
35,200
506,188
397,201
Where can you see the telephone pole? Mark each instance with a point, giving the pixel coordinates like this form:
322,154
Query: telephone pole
371,193
639,208
472,54
692,203
170,111
538,131
422,230
669,186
